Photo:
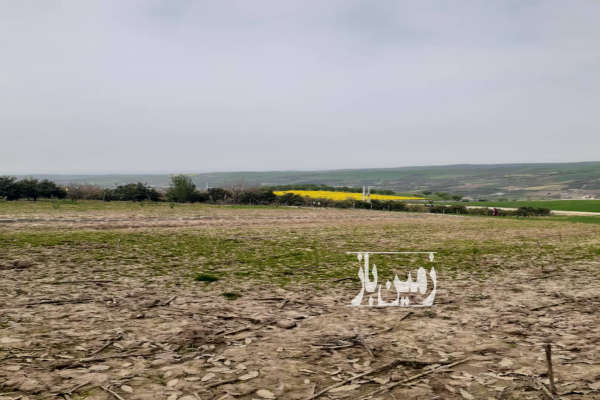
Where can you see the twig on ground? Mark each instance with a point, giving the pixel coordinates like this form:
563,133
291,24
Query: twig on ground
550,305
166,303
246,328
73,389
107,344
369,372
60,302
283,303
226,381
546,392
107,390
345,279
412,378
548,348
365,345
75,282
543,277
75,363
242,329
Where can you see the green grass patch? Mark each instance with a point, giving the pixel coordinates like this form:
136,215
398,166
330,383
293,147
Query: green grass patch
205,278
559,205
231,295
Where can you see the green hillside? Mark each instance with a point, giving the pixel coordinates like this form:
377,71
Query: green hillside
510,181
560,205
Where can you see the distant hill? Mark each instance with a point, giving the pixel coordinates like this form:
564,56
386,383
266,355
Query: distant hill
511,181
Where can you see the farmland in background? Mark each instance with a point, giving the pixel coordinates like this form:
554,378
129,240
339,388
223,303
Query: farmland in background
339,196
559,205
512,181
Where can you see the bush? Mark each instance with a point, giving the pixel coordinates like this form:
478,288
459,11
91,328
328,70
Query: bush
291,199
181,190
28,188
448,209
86,192
49,189
8,188
218,194
532,211
202,277
480,211
419,208
344,204
256,196
199,197
397,206
133,192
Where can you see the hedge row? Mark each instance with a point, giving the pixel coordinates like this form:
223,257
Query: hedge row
183,190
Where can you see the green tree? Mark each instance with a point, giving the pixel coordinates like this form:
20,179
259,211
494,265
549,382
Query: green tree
9,188
50,189
29,188
182,189
134,192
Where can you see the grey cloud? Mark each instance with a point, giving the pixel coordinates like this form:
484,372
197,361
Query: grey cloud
164,86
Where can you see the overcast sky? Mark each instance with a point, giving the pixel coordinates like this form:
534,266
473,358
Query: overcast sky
194,86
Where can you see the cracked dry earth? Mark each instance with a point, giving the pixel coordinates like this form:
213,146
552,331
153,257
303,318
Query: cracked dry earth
129,338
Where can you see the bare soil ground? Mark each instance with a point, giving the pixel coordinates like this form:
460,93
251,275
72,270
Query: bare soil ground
80,319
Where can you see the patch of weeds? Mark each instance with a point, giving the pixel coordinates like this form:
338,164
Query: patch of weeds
205,278
231,295
429,314
4,322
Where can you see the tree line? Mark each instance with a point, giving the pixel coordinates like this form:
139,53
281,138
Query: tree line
183,190
33,189
13,189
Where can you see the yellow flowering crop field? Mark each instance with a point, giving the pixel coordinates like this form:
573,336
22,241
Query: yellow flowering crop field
339,196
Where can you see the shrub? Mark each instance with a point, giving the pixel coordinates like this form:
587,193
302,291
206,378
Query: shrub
532,211
344,204
256,196
49,189
134,192
199,197
181,190
291,199
231,295
205,278
420,208
480,211
218,194
362,204
28,188
448,209
85,192
397,206
8,188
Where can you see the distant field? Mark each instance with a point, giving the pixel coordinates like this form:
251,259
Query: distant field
559,205
477,181
324,194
